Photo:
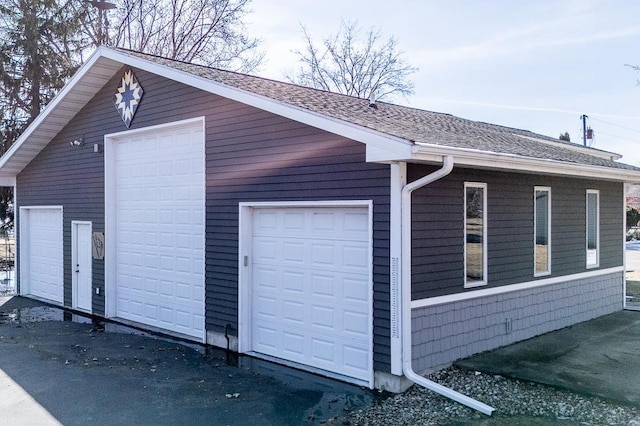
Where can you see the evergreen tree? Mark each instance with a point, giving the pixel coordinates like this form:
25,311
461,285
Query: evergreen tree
39,47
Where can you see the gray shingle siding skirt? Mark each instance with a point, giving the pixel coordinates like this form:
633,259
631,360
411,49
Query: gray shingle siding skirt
451,331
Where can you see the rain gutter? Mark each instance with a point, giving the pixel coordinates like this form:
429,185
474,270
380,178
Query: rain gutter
405,308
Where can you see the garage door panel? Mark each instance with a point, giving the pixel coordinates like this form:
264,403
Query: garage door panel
293,345
355,290
266,338
354,323
323,318
160,229
311,287
266,307
322,284
293,282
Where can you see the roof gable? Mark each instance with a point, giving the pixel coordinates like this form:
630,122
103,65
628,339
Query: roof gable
391,132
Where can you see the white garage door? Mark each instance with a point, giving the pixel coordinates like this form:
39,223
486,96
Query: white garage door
311,301
41,268
160,229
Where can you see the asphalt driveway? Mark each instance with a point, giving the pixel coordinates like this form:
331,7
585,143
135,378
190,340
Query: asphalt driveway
58,368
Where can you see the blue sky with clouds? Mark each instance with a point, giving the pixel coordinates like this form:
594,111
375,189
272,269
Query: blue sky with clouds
535,65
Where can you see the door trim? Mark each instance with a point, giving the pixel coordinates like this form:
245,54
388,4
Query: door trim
74,261
245,308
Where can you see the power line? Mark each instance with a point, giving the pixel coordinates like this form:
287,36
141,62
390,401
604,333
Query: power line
619,137
616,125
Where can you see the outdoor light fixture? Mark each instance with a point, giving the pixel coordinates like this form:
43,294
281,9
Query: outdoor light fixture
77,142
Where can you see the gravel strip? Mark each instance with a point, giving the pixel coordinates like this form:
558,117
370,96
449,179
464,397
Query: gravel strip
516,403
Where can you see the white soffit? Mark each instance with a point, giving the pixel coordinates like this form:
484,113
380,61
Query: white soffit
64,106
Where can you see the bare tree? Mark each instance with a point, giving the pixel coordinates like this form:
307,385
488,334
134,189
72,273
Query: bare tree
354,64
208,32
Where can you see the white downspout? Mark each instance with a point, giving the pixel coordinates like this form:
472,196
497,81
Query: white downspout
405,308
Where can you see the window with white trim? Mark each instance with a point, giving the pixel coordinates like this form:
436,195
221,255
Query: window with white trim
542,230
475,234
593,228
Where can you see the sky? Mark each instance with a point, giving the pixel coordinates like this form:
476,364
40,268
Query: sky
534,65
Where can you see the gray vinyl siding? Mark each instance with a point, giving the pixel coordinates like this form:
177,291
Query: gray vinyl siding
251,155
298,163
438,232
70,177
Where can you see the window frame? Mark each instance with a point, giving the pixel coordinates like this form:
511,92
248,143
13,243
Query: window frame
596,262
537,189
484,281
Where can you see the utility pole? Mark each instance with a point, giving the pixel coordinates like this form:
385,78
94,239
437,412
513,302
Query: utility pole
103,26
584,129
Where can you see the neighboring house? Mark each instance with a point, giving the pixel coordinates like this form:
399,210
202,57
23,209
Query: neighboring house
285,222
633,198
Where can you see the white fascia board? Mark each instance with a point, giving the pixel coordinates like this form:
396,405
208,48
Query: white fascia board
515,163
383,147
389,153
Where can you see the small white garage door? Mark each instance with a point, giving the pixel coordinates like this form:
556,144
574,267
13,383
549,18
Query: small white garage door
311,290
41,266
159,197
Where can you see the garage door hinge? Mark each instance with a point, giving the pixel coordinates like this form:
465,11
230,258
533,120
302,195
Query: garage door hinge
246,261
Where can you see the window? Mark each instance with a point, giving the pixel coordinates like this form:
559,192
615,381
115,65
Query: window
593,228
542,230
475,232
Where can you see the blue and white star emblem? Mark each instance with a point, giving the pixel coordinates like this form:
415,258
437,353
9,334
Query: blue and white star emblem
127,97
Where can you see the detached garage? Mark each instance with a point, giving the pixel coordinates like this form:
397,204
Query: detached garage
322,231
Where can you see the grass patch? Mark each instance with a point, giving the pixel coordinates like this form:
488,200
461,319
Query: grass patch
633,288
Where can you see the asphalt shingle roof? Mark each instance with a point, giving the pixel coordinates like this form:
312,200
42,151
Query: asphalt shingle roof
415,125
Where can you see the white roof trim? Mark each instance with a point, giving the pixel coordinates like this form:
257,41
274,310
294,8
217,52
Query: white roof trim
429,153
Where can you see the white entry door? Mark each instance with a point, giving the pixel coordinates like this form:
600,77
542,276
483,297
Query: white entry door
81,265
156,217
41,254
311,289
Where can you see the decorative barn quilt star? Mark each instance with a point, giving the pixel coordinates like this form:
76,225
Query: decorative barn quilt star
128,96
